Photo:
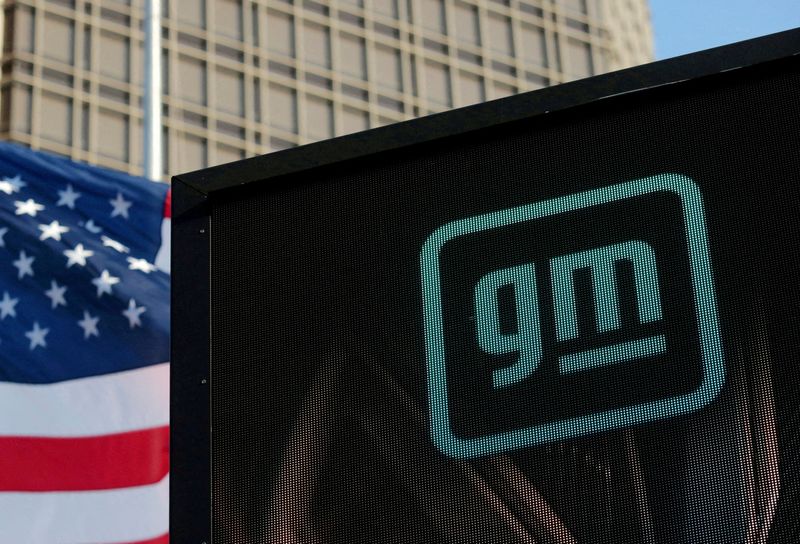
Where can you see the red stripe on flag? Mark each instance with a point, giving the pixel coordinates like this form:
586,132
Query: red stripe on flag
85,463
168,204
163,539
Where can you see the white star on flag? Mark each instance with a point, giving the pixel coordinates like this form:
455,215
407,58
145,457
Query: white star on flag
3,232
54,230
36,336
29,207
120,206
67,197
91,227
89,325
140,264
7,306
56,294
24,265
133,313
11,185
78,255
113,244
104,282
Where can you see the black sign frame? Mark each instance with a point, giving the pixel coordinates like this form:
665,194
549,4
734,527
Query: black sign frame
194,196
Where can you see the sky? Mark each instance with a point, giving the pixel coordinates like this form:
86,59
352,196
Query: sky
684,26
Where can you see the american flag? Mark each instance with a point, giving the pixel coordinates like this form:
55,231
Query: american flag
84,351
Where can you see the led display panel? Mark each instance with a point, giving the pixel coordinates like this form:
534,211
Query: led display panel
566,317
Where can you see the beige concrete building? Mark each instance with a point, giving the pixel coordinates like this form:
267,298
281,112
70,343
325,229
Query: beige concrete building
245,77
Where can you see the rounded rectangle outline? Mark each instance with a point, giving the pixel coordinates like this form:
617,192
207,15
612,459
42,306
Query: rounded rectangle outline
705,311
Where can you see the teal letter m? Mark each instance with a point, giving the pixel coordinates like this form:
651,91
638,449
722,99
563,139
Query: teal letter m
601,263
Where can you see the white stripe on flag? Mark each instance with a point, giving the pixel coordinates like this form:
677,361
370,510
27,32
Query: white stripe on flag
120,515
163,255
114,403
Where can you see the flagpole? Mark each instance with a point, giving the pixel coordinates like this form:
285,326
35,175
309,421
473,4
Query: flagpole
153,158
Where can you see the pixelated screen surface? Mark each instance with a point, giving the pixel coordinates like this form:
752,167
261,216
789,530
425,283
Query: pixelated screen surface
577,328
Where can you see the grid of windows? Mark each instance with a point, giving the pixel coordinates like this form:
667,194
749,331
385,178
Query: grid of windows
245,77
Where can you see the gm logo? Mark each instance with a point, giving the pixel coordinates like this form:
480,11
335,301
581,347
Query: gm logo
572,316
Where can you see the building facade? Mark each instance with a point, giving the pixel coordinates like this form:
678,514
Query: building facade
246,77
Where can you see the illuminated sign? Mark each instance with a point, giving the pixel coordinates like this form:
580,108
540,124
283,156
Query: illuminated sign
519,355
568,316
